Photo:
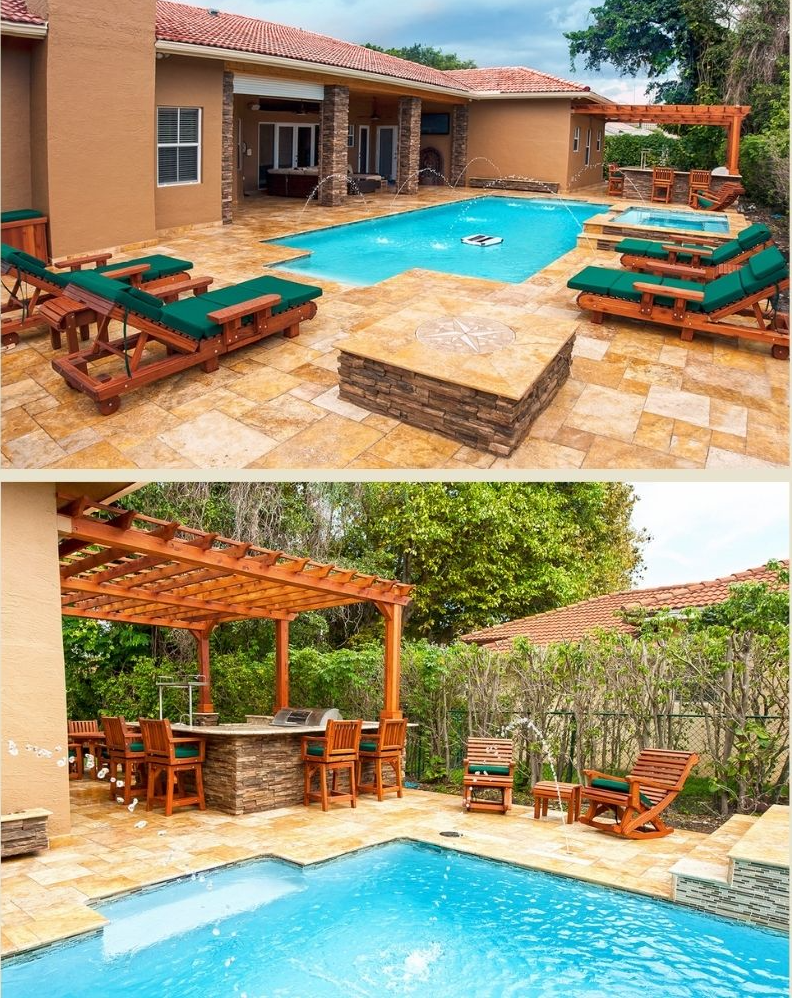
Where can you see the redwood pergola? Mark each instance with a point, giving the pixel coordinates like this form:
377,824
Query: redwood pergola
123,566
728,116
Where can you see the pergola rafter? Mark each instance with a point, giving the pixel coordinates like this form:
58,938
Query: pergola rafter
123,566
728,116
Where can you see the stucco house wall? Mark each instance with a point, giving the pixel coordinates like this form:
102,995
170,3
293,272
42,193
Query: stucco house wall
15,172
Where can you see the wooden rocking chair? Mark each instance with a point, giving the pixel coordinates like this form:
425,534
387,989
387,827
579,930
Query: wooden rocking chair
707,200
488,765
638,799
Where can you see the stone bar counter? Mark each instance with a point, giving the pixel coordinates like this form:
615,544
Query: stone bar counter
253,767
638,183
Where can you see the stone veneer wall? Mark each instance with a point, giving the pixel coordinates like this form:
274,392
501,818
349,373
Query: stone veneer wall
334,121
24,832
757,893
479,419
227,175
459,145
409,151
638,184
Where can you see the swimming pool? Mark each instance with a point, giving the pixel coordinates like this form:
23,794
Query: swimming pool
535,232
402,919
659,218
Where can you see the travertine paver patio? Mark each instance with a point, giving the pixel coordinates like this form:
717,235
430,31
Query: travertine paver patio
637,397
48,896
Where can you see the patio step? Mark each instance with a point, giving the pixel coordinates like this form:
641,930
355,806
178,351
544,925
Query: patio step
741,871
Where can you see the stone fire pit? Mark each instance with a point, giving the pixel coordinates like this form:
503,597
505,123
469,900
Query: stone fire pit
480,376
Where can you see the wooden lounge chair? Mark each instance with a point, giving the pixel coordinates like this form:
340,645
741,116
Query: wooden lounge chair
727,306
168,760
337,751
707,200
194,331
662,184
488,765
386,747
638,799
34,283
126,751
693,261
615,180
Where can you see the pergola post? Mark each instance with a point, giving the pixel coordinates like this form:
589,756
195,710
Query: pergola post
281,664
733,146
205,705
392,614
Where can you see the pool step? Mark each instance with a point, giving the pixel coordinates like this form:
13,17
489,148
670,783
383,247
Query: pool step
741,871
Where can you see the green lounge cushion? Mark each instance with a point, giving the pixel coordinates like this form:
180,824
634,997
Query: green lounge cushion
97,284
490,769
619,284
597,280
159,266
8,251
368,746
136,746
137,300
754,235
620,786
186,751
642,247
292,294
704,202
20,215
767,267
725,252
32,265
315,750
188,316
723,291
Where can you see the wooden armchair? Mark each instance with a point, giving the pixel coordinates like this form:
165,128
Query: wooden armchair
638,799
337,751
662,184
387,747
168,760
488,765
125,750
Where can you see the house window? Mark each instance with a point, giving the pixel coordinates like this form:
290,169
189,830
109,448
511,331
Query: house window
599,140
588,147
178,145
576,139
350,136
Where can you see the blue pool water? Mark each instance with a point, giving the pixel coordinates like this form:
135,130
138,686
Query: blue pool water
659,218
535,232
403,920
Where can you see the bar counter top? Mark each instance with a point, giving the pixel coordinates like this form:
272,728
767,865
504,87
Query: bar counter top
256,730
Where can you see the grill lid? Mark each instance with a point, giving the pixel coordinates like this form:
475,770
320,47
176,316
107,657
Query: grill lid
306,717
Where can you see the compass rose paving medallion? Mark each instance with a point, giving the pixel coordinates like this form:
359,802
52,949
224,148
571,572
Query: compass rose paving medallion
478,378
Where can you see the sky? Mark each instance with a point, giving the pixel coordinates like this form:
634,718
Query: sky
490,32
707,530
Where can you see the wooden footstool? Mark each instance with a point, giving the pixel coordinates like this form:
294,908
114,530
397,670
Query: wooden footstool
547,790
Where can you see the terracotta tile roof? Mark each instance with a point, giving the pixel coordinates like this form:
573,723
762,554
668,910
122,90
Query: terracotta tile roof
178,22
570,623
513,80
15,10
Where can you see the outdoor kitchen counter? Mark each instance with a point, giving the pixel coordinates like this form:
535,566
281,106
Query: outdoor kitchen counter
253,767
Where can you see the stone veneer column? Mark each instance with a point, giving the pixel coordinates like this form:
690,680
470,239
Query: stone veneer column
459,145
409,145
227,177
333,146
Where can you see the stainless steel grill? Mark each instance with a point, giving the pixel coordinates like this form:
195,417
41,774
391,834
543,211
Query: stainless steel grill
306,717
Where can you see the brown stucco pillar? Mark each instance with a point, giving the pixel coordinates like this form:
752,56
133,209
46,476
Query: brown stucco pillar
334,121
409,151
227,180
459,145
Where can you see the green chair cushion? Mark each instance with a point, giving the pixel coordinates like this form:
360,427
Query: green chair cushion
368,746
597,280
725,252
137,300
105,287
136,746
723,291
704,202
159,264
767,267
642,247
8,251
620,786
315,750
488,769
754,235
20,214
619,284
186,751
292,294
33,265
188,316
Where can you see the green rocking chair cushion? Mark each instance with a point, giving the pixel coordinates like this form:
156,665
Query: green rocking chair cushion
619,786
479,769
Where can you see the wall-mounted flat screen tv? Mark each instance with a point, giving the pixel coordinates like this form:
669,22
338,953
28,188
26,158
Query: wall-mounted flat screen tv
435,124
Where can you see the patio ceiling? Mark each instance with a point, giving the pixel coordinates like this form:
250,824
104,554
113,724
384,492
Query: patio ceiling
124,566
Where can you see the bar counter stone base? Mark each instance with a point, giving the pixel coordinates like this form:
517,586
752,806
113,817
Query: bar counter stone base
481,380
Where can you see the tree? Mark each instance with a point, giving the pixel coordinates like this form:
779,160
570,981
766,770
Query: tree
655,37
426,56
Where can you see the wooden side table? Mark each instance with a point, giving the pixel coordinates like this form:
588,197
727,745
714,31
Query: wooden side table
546,790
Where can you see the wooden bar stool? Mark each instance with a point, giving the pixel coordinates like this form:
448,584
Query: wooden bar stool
168,760
337,751
662,184
87,736
386,747
699,180
615,179
127,752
